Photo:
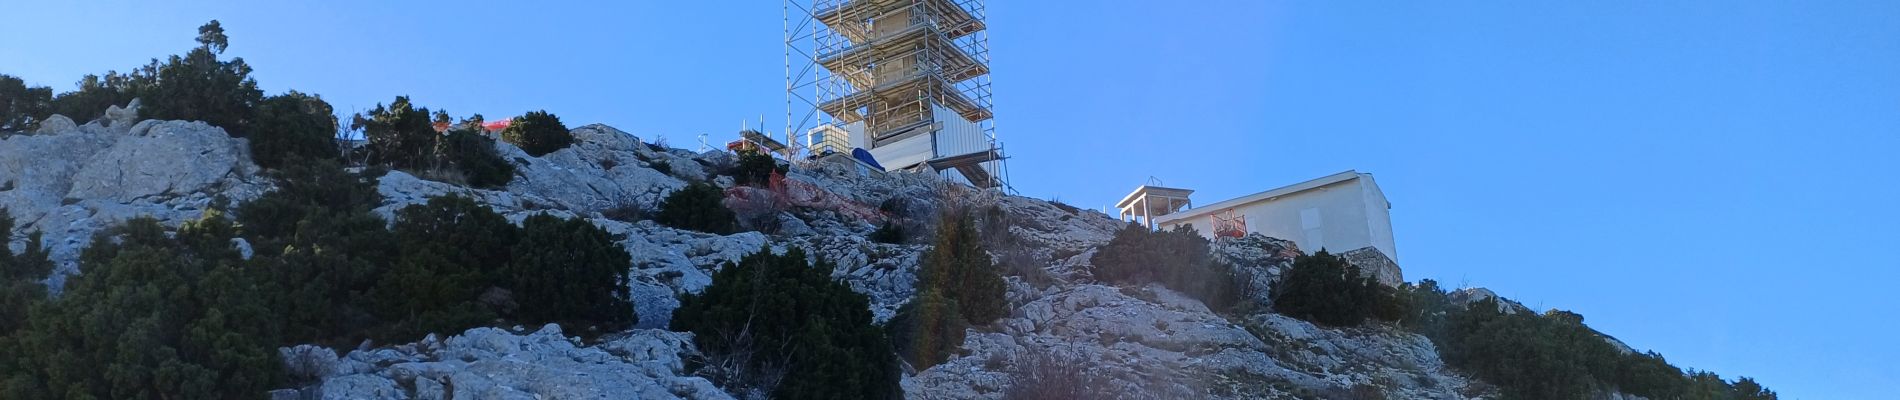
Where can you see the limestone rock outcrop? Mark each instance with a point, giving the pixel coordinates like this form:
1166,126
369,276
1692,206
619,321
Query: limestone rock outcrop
491,363
70,181
1143,341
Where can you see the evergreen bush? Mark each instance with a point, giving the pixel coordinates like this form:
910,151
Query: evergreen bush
755,168
928,329
399,135
889,232
473,155
958,265
1180,259
153,317
699,207
293,125
452,250
1326,289
21,106
1553,355
569,271
778,324
538,133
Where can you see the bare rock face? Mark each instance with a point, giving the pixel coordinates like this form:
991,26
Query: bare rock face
1140,341
69,182
121,119
56,124
1258,259
490,363
1372,261
1151,342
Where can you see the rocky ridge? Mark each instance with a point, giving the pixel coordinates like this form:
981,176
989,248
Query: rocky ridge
1144,341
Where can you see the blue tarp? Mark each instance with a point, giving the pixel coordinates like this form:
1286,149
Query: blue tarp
865,157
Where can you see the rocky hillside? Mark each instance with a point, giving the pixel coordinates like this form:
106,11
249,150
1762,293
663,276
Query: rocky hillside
1143,341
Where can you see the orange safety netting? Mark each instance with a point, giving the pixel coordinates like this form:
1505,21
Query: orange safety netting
785,193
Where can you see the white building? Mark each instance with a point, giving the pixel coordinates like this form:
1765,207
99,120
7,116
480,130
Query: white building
1343,213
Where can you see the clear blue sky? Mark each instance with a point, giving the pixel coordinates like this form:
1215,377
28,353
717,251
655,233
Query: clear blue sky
1712,180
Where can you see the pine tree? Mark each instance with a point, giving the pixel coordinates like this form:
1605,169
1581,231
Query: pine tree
958,265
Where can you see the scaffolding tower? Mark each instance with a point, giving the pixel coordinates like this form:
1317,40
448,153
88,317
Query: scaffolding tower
906,80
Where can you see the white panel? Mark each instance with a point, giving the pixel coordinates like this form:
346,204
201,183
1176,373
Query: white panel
903,153
958,136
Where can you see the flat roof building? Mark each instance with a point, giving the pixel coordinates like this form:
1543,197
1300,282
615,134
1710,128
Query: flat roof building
1344,213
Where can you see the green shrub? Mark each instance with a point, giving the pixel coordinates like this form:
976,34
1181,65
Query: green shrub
199,87
153,317
452,250
320,250
1552,356
889,232
1328,290
755,168
97,93
569,271
293,125
1179,259
400,135
928,329
404,137
700,207
958,265
473,155
779,319
195,86
21,107
538,133
19,277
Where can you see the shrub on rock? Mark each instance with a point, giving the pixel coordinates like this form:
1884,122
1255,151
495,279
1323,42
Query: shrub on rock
569,271
778,324
319,249
399,135
1326,289
1180,259
452,250
473,156
200,87
755,168
154,316
700,207
538,133
293,125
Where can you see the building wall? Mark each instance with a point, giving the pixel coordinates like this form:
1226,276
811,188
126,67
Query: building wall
957,136
1340,217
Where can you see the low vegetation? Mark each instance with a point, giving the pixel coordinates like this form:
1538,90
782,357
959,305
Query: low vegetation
403,136
22,106
1553,355
1180,259
170,315
1326,289
538,133
957,285
755,168
779,325
698,207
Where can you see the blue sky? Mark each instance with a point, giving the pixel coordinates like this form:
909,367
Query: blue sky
1711,180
